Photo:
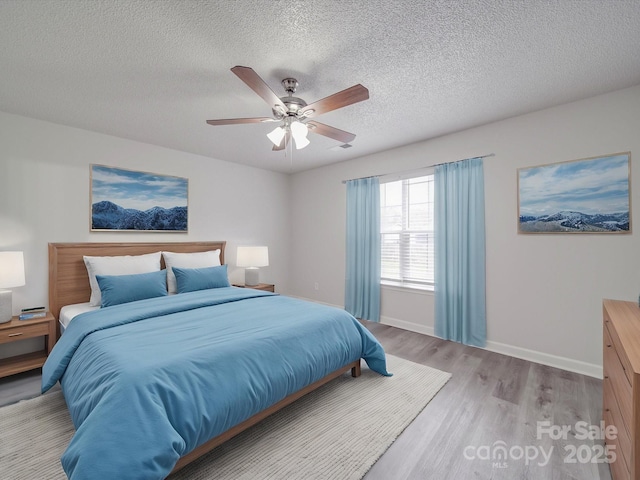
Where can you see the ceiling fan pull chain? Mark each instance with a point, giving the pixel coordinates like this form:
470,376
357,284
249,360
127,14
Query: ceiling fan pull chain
291,156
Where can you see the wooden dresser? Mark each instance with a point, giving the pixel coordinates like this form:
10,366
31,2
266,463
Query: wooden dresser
621,384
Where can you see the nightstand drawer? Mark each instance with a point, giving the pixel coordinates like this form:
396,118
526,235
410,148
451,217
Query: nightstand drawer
17,330
23,331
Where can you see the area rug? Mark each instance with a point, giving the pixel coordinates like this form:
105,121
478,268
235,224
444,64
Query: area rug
336,432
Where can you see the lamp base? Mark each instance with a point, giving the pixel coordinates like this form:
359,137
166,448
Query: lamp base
6,309
251,276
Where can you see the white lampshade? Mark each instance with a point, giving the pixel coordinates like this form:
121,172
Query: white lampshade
251,258
276,135
299,132
299,129
11,269
11,275
301,142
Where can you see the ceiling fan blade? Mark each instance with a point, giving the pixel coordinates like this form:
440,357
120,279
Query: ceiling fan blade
331,132
283,142
351,95
255,83
236,121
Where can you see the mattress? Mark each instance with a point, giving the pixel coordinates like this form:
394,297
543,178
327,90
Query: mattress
69,312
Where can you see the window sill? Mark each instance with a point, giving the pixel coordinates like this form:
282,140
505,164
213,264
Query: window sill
419,289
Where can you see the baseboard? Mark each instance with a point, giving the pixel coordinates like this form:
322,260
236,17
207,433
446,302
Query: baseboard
403,324
563,363
307,299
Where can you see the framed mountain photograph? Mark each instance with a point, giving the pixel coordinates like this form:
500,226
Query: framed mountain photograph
127,200
590,195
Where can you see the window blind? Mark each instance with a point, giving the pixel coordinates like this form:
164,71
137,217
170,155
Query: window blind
406,227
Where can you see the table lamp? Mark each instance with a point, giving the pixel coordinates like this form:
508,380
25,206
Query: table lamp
252,258
11,275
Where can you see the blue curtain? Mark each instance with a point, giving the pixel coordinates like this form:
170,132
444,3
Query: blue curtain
460,252
362,292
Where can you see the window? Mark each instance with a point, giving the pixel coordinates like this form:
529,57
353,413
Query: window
406,228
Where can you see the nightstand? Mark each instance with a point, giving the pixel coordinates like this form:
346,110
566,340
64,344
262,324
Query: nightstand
267,287
16,330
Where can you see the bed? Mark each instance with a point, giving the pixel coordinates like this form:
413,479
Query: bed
153,384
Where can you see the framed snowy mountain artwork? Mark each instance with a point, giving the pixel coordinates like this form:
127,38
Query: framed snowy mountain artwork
126,200
590,195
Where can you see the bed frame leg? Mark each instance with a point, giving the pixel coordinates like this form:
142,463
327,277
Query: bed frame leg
355,371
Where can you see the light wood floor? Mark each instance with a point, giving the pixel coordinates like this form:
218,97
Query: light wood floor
490,398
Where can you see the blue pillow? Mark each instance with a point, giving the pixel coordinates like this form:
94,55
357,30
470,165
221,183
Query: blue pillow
117,289
192,279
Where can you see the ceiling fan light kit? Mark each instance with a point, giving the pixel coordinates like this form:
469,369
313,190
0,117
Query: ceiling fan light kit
276,135
301,142
294,112
295,128
299,133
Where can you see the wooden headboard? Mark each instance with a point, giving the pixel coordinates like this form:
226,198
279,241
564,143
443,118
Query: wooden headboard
68,279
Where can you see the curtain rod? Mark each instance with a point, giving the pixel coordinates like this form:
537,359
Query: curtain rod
419,168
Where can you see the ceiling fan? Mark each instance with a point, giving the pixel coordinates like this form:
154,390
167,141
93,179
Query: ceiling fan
294,113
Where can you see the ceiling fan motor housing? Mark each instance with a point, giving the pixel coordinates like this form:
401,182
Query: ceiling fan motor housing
293,104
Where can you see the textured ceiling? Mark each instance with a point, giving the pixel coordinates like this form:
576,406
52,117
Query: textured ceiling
155,70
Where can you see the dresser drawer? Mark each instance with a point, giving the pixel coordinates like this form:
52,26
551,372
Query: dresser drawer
614,372
613,339
613,417
23,331
619,468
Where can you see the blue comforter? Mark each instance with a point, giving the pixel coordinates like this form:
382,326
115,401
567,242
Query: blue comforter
149,381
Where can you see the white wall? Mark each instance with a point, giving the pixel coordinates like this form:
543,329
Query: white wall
44,197
544,292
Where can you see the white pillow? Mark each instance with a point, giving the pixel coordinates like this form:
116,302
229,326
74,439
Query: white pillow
188,260
123,265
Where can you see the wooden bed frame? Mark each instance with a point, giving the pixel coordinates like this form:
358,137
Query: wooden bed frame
69,284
